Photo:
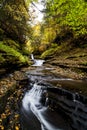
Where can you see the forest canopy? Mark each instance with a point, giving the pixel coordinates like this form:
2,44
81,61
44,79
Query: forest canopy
14,30
64,22
70,13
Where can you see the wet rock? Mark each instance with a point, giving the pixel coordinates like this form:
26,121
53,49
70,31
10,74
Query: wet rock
71,104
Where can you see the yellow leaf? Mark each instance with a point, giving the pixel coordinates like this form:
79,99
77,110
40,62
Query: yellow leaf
16,116
16,128
3,115
0,120
1,127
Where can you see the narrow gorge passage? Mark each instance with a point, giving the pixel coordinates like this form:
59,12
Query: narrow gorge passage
36,113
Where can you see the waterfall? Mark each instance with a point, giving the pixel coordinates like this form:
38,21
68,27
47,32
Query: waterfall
44,104
32,56
33,99
36,61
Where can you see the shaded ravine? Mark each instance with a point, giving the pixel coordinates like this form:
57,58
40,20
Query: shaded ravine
38,106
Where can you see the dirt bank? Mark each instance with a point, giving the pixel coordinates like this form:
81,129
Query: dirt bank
12,87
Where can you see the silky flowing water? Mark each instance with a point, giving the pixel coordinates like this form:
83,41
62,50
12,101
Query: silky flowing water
35,111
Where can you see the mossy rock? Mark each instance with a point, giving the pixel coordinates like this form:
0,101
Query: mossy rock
12,44
11,55
50,52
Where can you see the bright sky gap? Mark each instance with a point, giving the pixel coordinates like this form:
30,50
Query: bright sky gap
36,9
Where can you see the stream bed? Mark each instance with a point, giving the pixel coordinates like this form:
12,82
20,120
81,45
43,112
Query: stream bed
47,106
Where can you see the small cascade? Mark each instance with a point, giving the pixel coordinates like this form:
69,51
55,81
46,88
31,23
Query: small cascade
33,96
33,101
32,56
36,61
74,97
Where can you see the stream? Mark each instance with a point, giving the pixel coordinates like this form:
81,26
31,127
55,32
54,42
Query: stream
47,107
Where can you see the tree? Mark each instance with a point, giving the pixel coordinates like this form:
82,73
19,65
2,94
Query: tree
14,19
14,30
71,13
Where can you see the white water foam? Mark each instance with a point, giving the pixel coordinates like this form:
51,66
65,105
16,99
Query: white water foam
32,99
36,61
32,56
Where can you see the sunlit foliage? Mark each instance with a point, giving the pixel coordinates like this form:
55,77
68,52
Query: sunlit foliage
70,13
65,24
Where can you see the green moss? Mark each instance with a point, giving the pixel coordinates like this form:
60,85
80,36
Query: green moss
49,52
11,43
11,54
54,49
